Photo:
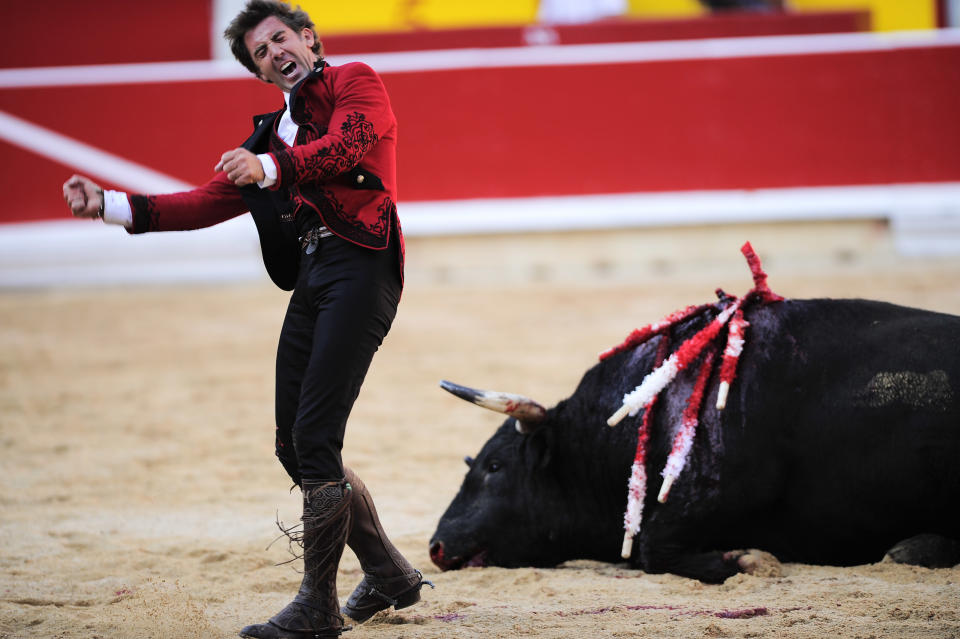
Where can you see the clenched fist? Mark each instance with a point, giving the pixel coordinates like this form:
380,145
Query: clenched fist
83,196
241,166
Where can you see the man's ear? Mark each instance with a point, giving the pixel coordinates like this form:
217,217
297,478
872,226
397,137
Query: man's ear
307,34
262,79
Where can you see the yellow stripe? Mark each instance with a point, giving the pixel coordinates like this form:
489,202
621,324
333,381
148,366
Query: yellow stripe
361,16
887,15
446,14
665,8
404,15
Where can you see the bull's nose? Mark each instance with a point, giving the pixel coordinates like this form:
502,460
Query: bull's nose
436,555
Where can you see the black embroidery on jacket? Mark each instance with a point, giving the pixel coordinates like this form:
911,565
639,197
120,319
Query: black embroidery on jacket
358,134
304,112
276,144
145,216
387,211
286,169
357,137
346,223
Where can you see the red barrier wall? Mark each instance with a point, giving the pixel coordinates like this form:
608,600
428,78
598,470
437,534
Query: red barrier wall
66,32
857,118
871,117
120,31
724,25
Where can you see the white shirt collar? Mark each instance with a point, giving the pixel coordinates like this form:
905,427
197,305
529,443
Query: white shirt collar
287,128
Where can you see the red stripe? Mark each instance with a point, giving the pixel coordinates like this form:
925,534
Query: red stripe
618,30
872,117
105,32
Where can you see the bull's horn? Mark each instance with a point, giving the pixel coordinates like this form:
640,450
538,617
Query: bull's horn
527,412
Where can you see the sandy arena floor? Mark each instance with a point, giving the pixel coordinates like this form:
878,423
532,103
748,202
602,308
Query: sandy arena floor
140,489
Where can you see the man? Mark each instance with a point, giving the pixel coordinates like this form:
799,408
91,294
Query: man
319,179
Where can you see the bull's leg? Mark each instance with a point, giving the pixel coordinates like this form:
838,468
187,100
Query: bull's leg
756,562
931,551
709,567
388,578
714,567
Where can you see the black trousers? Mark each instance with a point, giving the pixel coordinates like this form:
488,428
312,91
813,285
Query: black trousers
341,309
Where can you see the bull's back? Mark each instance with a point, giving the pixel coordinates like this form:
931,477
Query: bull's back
857,404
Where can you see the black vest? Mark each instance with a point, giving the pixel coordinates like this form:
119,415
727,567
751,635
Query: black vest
272,212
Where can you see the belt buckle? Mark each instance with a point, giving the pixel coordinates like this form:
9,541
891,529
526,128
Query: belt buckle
310,241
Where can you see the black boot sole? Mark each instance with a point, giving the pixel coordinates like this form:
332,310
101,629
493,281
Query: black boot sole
405,600
267,631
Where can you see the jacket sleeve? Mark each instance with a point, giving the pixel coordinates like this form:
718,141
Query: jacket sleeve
214,202
361,116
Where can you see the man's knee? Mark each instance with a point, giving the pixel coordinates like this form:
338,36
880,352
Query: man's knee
288,459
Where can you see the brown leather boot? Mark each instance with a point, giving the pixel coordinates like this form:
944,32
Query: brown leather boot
388,578
313,613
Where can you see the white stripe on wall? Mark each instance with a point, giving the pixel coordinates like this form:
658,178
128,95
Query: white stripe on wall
925,219
605,211
505,57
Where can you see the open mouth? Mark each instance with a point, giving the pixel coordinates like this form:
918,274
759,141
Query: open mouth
479,560
288,68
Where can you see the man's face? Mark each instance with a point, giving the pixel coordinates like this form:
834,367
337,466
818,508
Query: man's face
283,56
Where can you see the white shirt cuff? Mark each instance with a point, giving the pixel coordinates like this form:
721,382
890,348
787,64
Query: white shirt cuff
116,209
269,171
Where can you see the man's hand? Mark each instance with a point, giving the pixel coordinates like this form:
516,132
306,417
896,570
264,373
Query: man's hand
241,166
83,196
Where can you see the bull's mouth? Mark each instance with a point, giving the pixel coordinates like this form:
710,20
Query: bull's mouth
474,559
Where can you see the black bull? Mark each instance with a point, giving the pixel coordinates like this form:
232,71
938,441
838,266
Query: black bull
840,438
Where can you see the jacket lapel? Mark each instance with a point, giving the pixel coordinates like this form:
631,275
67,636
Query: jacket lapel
263,125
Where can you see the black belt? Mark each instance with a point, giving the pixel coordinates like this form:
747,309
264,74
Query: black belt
310,239
311,229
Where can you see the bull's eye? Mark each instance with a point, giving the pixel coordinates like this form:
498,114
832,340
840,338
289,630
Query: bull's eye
493,466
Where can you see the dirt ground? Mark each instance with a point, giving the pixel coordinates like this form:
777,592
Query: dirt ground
139,488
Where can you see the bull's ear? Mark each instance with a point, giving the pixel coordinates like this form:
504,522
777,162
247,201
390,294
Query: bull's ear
468,460
537,447
526,427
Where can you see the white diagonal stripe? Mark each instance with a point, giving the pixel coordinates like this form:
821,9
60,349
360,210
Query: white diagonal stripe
85,158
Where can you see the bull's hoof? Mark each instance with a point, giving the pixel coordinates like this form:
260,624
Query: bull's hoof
755,562
929,551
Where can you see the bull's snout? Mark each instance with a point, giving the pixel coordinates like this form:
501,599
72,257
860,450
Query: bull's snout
436,556
439,557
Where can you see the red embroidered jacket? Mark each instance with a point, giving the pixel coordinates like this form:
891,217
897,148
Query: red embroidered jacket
342,168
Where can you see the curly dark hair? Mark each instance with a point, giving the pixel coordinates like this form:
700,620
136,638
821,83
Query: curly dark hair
256,12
